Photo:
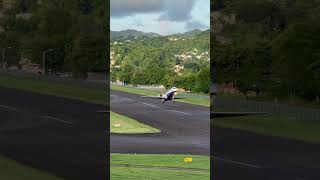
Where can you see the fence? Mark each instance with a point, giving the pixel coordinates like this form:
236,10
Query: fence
64,80
300,113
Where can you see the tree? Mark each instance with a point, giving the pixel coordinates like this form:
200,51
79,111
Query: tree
203,80
294,51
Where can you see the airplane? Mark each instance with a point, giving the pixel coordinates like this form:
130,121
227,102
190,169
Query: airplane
170,95
213,114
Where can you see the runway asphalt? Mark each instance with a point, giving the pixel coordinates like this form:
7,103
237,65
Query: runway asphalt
243,155
66,138
236,155
185,128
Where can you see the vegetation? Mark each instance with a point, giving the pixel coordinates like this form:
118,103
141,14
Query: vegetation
72,34
180,60
307,131
125,125
12,170
156,167
271,48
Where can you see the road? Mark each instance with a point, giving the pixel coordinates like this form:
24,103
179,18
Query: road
66,138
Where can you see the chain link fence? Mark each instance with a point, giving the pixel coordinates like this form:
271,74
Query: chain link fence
60,79
300,113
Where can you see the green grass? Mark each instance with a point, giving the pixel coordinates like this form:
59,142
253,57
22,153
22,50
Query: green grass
158,167
187,98
92,95
11,170
307,131
128,125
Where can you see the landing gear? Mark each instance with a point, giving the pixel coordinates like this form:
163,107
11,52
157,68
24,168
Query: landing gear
162,100
173,101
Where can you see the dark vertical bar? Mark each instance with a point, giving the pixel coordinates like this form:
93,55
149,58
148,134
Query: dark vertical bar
107,131
213,7
54,116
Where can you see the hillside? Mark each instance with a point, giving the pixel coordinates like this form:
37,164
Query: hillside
131,34
173,60
192,33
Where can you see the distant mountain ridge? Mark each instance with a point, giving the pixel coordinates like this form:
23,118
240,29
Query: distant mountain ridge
191,33
131,34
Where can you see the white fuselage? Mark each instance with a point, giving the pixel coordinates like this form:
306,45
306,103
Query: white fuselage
169,95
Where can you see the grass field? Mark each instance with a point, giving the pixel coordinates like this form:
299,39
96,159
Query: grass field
158,167
124,125
187,98
307,131
56,89
11,170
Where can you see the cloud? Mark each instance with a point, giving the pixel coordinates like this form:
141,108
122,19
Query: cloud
137,23
170,10
121,8
164,27
195,25
177,10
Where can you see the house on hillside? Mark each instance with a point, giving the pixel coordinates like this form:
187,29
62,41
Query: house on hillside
173,39
178,69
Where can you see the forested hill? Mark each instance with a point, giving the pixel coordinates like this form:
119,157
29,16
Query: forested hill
269,46
172,60
130,35
192,33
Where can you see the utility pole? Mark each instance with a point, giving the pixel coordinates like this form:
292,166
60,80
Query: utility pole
3,56
44,59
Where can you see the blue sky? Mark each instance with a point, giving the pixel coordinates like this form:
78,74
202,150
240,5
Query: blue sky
160,16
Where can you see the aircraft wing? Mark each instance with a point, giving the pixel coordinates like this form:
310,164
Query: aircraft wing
159,97
178,98
155,97
233,114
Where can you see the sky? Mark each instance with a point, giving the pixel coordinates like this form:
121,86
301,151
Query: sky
160,16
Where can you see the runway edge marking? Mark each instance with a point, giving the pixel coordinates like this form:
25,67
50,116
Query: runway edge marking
57,119
150,105
180,112
236,162
8,108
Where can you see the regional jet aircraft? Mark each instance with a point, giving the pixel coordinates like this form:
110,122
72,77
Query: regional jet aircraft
169,95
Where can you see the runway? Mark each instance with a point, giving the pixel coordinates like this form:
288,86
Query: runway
249,156
63,137
68,138
236,155
185,128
